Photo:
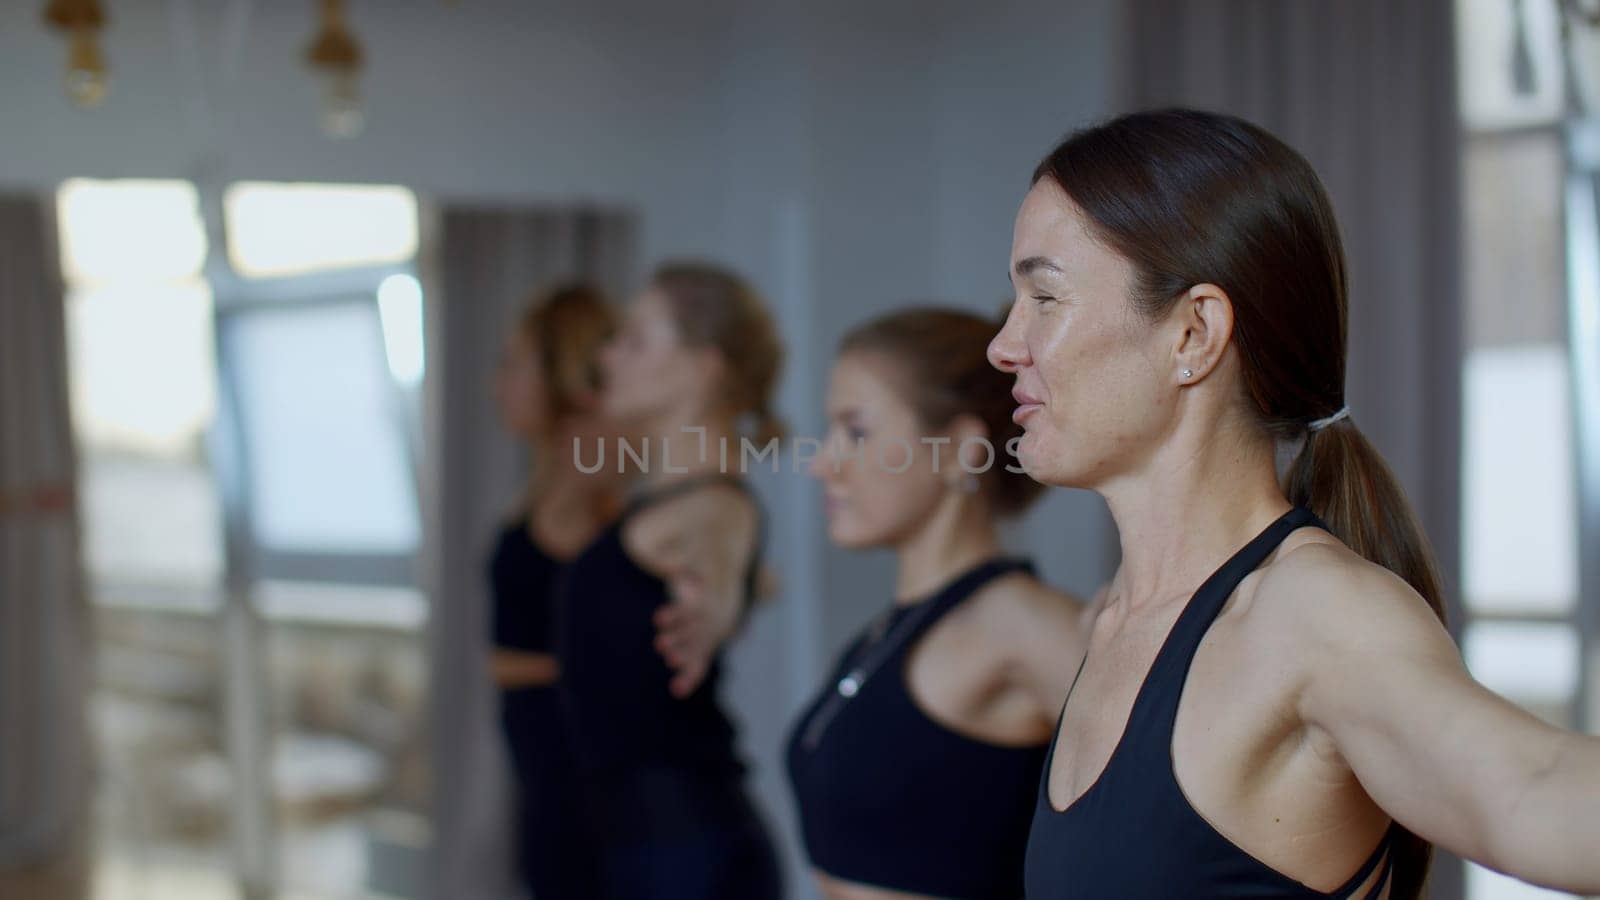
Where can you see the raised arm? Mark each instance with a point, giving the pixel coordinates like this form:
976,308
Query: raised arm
1443,755
700,544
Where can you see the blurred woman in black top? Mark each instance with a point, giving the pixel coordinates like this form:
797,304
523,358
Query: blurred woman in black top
546,391
916,766
647,606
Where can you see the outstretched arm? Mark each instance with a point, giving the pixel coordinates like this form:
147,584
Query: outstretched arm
1443,755
700,544
520,668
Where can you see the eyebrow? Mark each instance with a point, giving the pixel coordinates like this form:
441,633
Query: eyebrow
1032,264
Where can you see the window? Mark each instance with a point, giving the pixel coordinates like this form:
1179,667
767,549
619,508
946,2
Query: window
265,405
292,229
1522,382
144,389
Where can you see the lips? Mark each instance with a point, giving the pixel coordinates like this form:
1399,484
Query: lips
1027,404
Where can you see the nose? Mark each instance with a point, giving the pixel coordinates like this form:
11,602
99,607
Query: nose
1007,351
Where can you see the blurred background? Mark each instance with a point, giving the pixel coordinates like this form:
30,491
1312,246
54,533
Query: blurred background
256,260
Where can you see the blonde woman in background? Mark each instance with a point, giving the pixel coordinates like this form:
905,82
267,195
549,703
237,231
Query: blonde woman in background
547,392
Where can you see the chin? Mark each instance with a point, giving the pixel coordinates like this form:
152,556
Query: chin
1046,466
846,537
619,411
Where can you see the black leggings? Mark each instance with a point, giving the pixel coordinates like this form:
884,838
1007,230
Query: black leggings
670,835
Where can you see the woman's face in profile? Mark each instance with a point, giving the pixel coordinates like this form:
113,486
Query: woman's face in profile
1093,377
876,472
519,389
647,371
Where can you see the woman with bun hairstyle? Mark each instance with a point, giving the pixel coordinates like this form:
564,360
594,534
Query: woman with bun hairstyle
916,766
647,606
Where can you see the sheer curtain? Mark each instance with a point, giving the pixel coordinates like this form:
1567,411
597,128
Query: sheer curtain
44,763
483,265
1366,90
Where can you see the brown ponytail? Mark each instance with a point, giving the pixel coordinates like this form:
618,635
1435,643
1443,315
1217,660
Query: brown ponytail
1340,476
1190,198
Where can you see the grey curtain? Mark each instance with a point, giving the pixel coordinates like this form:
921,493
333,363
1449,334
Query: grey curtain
44,763
482,265
1366,90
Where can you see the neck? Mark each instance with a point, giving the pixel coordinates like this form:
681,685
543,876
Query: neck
959,535
691,446
1196,502
558,491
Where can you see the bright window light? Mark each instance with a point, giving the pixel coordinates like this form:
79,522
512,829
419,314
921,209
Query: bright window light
1519,539
400,309
328,472
142,365
129,231
1486,884
1508,62
289,229
1529,662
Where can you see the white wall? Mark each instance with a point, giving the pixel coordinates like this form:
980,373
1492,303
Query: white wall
492,99
850,157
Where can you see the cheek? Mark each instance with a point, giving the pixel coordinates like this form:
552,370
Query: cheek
518,395
882,503
1104,399
636,379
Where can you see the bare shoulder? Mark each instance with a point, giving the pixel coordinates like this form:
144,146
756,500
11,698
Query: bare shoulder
717,510
1323,602
715,505
1019,607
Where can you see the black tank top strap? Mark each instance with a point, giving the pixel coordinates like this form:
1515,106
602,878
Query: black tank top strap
959,589
1382,861
1171,667
1093,846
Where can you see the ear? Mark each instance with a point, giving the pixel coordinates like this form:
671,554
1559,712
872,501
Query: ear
968,427
1202,324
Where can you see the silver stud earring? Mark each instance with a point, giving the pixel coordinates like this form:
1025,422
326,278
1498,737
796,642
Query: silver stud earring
1188,373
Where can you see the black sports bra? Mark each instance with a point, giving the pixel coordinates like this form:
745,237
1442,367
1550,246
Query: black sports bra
889,797
1133,834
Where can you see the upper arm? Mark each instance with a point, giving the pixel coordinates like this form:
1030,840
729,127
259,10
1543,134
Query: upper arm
1437,751
708,534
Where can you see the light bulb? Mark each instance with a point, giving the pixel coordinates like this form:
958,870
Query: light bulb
86,80
342,113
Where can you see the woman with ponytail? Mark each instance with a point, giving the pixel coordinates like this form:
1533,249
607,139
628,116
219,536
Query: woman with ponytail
1269,704
956,682
647,606
546,390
